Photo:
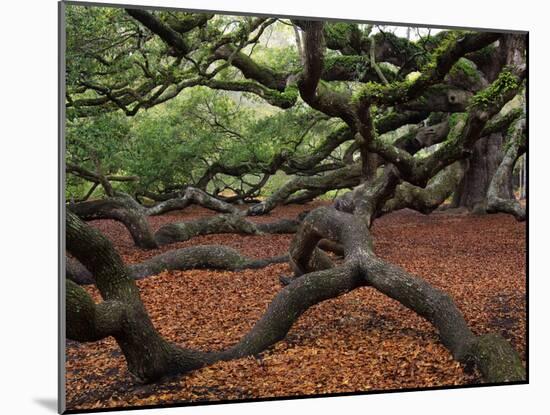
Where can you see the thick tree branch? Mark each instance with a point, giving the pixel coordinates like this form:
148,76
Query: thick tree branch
164,31
192,195
120,209
404,91
194,257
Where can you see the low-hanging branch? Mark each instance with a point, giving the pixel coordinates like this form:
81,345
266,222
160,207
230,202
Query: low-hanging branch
345,177
125,209
190,196
429,198
121,209
223,223
217,257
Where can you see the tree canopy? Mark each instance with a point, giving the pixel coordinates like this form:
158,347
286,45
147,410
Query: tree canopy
237,103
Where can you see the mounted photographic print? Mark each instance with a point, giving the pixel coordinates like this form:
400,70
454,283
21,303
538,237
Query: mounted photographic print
265,207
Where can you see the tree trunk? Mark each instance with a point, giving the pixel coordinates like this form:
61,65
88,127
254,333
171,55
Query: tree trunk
498,199
495,358
481,166
427,199
150,357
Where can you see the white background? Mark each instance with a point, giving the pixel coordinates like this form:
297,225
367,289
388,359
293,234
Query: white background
28,217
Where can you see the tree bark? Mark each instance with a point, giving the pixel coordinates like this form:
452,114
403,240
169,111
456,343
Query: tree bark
194,257
77,272
495,358
190,196
120,209
224,223
426,200
148,355
499,198
344,177
200,256
481,166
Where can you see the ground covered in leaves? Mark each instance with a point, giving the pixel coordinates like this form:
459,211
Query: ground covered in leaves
361,341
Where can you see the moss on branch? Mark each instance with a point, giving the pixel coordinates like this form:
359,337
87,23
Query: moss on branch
489,96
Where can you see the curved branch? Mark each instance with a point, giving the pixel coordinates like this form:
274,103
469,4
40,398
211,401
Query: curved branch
150,357
198,257
495,358
486,104
344,177
120,209
251,69
320,96
77,272
87,321
426,200
192,195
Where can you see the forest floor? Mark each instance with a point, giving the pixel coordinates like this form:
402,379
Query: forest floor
361,341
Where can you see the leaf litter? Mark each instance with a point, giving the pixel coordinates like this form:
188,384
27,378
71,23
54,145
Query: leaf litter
361,341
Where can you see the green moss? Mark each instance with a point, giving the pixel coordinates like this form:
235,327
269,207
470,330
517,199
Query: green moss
285,99
339,32
398,90
456,125
390,71
346,61
505,82
446,41
436,118
465,68
376,92
454,119
431,40
291,92
513,138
